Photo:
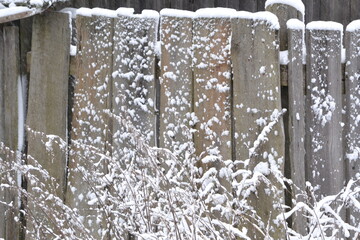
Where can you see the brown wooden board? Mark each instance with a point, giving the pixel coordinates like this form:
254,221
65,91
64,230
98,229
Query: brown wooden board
257,109
352,106
47,115
90,134
212,93
176,83
296,125
9,83
323,139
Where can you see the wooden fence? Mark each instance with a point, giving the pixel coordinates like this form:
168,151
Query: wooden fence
231,90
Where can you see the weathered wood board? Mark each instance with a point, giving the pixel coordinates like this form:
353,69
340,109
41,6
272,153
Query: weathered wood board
212,91
257,110
352,107
90,135
134,77
323,139
9,87
296,124
47,113
176,82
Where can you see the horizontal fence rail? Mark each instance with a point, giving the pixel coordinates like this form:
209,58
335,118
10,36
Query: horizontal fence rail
225,102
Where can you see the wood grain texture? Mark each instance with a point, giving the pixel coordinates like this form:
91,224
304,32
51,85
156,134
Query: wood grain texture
296,124
176,94
284,13
323,141
352,106
10,77
257,103
90,135
47,109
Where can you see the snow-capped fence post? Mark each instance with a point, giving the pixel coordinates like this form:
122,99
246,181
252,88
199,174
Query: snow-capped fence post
323,135
285,11
9,129
90,133
296,113
258,126
352,107
212,92
47,111
176,80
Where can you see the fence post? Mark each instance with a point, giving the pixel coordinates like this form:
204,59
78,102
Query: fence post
9,131
352,106
47,116
90,133
323,138
212,94
296,113
176,82
257,114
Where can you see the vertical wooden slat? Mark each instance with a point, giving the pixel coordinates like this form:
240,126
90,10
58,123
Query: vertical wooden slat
296,113
47,107
176,80
257,106
90,124
248,5
134,71
285,12
323,141
352,130
10,77
212,90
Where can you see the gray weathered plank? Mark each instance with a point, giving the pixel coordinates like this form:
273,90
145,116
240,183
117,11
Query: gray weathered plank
9,83
176,81
90,135
323,141
257,106
296,125
47,110
284,12
248,5
352,106
212,82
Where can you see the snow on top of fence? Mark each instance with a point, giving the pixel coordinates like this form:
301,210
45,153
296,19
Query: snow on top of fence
104,12
5,12
215,12
125,11
268,17
297,4
176,13
295,24
87,12
353,26
71,11
150,14
325,25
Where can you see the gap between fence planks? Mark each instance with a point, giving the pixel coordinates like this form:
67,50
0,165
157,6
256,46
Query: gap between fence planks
257,103
90,136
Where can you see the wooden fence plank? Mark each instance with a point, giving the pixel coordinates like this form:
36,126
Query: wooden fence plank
212,89
10,74
90,135
352,101
323,141
257,105
134,71
176,80
285,12
47,109
296,113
